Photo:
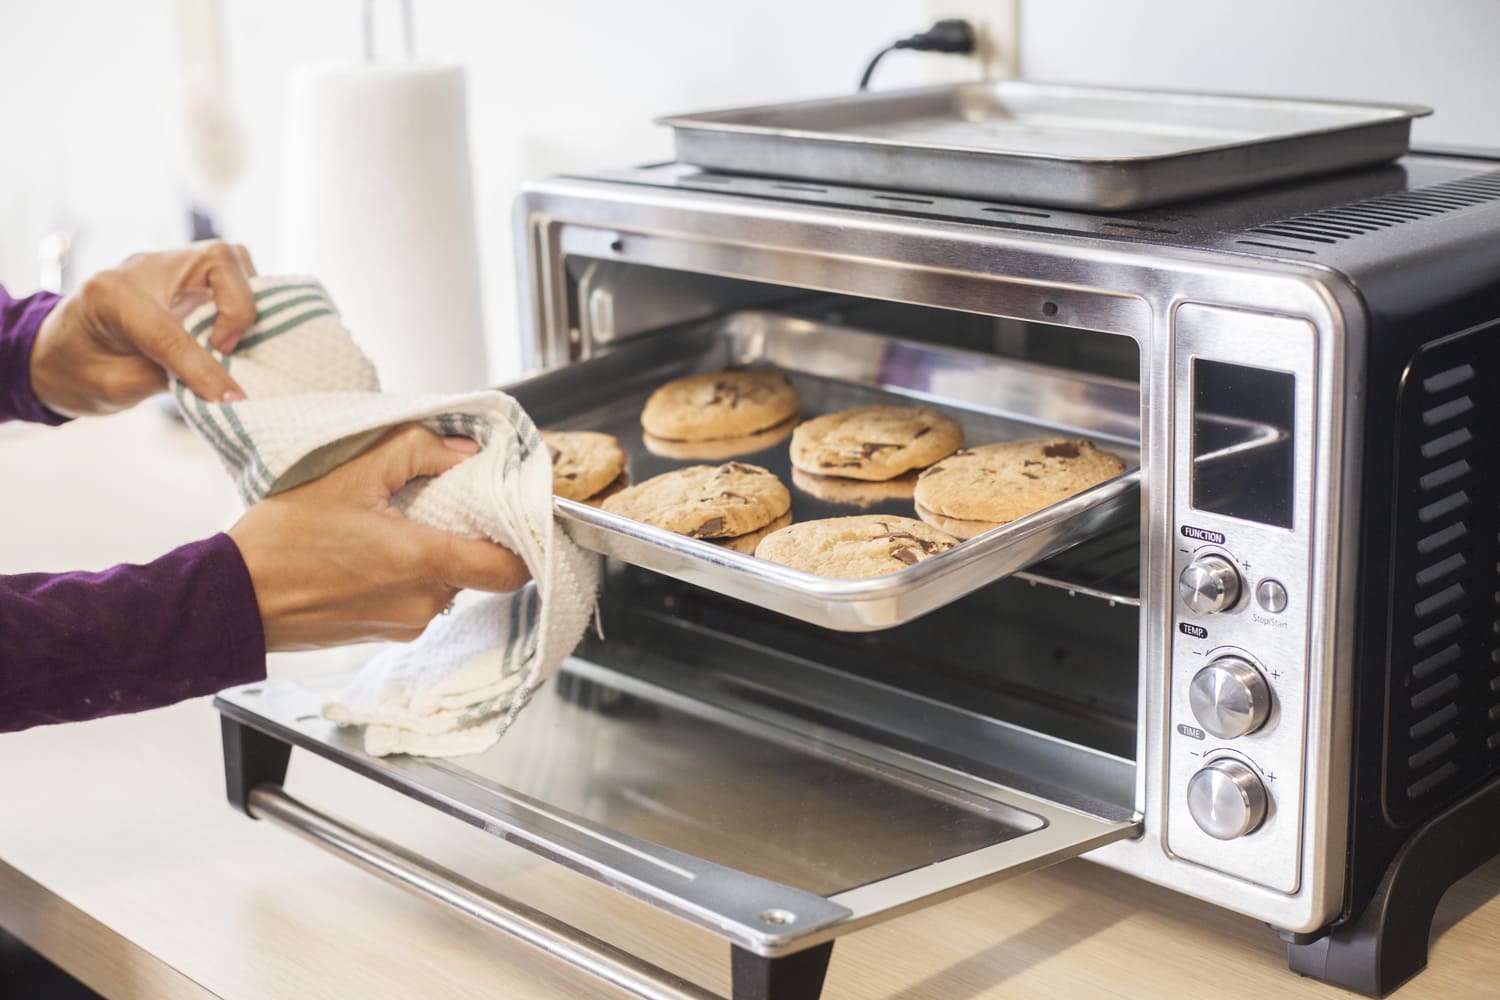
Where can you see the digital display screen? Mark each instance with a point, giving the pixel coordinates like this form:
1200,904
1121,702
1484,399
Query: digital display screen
1244,450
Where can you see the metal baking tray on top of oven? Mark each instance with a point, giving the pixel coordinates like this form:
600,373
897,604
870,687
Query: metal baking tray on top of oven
992,398
1091,148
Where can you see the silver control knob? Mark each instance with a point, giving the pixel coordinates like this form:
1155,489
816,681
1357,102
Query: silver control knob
1209,584
1230,698
1226,799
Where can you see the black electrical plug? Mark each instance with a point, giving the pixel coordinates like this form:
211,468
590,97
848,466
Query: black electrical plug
952,35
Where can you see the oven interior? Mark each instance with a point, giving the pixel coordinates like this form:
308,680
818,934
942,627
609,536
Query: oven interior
990,686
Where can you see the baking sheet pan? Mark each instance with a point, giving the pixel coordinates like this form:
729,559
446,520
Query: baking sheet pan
833,368
1076,147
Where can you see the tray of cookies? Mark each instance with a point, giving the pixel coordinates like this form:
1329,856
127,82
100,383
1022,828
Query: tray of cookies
846,478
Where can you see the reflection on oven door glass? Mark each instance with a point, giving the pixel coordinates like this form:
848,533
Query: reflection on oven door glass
1244,451
770,809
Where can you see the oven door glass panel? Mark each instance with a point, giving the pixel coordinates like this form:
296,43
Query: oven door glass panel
714,815
770,809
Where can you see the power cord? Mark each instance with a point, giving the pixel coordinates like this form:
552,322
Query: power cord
952,35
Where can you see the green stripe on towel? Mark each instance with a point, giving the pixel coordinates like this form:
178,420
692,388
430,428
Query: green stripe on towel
216,440
266,293
262,474
256,339
205,324
281,307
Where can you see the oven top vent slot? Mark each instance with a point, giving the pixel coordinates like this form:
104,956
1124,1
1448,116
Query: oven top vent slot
939,207
1345,222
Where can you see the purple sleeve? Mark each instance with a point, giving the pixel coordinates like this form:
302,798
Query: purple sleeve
80,645
20,319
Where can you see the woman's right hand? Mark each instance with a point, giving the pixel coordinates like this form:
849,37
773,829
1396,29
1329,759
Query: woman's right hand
334,562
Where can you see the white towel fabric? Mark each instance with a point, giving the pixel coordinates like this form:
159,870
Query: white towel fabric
315,402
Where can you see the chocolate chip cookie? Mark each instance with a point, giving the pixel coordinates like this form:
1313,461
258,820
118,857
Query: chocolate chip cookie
616,485
997,483
720,448
748,543
957,527
706,501
583,462
855,492
723,404
854,547
874,442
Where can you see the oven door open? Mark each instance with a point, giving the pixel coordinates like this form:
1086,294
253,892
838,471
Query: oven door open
701,787
728,757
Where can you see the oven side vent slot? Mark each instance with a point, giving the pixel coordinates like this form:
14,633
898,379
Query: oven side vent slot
1443,704
1345,222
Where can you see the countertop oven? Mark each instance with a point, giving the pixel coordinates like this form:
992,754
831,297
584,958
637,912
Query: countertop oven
1261,671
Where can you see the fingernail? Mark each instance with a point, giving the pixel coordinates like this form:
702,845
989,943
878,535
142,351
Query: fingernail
466,445
233,396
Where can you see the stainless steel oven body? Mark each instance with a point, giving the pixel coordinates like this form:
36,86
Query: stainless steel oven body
1177,306
1292,282
1272,686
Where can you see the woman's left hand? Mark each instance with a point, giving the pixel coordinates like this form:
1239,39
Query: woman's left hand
110,344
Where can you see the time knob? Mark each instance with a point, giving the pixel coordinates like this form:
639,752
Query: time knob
1209,584
1226,799
1229,697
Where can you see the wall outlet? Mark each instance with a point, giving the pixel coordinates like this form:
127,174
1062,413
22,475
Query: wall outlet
998,25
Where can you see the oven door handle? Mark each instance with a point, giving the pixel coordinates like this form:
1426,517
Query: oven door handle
405,870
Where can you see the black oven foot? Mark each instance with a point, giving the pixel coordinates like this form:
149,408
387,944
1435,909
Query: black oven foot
250,758
790,977
1386,944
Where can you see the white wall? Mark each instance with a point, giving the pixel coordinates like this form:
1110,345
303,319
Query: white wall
87,98
88,121
1442,53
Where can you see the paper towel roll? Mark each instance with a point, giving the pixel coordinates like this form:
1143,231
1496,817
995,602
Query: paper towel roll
377,201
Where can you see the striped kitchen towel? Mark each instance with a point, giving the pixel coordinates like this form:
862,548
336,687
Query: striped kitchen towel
314,403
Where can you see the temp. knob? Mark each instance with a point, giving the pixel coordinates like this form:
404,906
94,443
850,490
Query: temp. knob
1226,799
1230,697
1209,584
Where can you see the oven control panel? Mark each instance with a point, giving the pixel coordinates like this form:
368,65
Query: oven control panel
1243,408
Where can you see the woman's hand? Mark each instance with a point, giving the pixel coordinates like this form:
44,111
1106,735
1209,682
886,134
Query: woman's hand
110,344
333,562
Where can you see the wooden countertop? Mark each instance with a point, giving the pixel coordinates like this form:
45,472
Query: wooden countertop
121,861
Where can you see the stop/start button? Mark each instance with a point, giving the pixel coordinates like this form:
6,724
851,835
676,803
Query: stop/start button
1271,596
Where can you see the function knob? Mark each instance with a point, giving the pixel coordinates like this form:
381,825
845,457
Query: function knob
1230,698
1226,799
1209,584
